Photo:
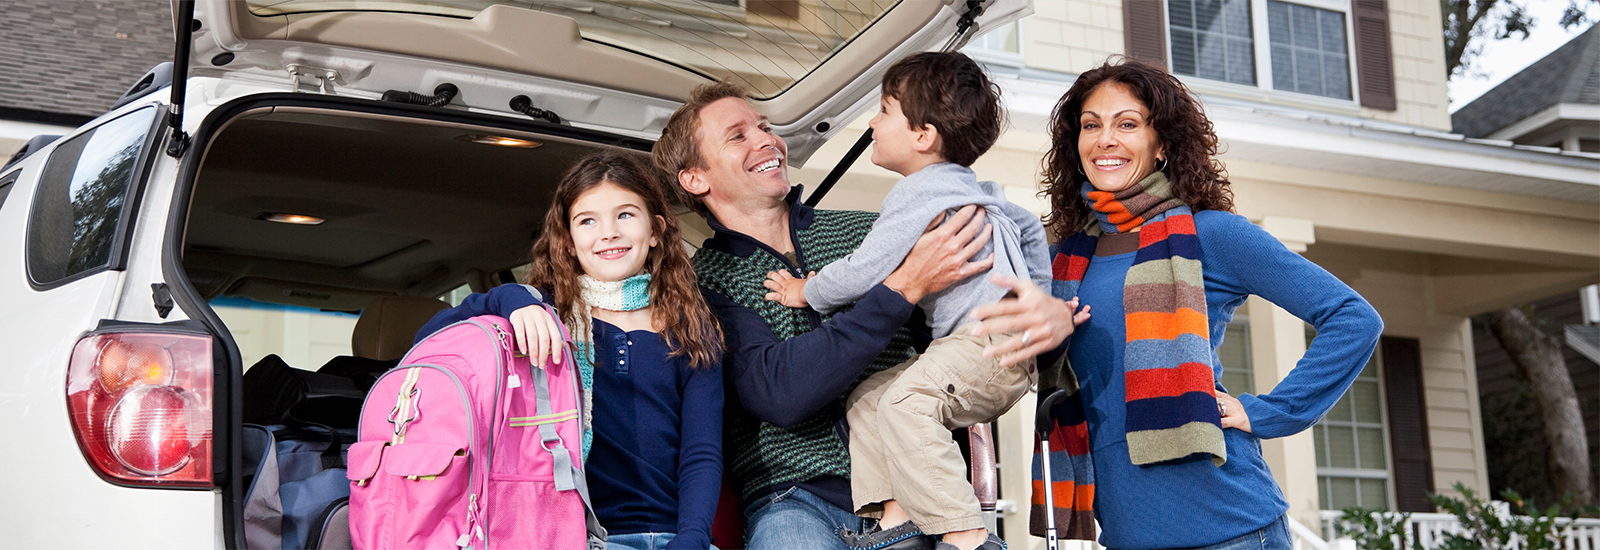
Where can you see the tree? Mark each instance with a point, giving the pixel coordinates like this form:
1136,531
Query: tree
1538,356
1469,23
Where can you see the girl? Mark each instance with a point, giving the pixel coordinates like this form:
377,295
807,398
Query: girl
609,261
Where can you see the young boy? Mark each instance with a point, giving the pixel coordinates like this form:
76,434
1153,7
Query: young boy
939,112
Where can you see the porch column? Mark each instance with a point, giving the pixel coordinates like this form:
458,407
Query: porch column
1277,341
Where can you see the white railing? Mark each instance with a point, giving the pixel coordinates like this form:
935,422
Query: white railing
1430,530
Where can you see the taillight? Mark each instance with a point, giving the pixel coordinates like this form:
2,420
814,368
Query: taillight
141,406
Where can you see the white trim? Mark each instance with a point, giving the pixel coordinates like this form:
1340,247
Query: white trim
996,56
1552,114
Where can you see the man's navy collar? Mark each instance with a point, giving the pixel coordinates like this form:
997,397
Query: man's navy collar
741,245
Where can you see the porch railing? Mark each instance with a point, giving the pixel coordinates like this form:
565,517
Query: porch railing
1430,529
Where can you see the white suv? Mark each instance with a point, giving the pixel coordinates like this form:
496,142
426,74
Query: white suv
326,153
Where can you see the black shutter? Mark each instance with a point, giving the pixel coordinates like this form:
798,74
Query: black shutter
1144,35
1408,423
1374,57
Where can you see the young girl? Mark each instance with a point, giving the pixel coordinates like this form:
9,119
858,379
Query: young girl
609,261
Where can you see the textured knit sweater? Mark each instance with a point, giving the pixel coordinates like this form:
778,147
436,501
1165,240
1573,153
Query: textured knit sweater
1195,503
1018,245
788,370
656,465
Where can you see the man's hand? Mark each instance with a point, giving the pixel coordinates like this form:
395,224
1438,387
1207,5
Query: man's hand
941,256
786,289
537,334
1040,320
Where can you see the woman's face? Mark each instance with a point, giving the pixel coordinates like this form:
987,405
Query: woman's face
1116,143
611,232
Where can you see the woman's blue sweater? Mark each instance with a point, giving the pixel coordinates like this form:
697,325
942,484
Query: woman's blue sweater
1189,504
656,464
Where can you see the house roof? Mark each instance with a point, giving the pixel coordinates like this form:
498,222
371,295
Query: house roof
1571,74
67,62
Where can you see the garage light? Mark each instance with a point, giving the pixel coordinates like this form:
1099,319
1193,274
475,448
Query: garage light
501,141
296,219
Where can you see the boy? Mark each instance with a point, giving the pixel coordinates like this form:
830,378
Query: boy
939,112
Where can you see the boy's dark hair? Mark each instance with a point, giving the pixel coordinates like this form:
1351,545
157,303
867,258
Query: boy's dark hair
950,91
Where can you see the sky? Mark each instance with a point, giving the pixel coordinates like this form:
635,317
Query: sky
1502,59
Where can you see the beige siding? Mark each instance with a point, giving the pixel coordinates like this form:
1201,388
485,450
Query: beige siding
1072,36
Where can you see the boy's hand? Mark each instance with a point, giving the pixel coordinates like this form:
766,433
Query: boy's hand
786,289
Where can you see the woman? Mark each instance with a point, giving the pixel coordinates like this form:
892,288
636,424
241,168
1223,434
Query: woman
609,260
1147,239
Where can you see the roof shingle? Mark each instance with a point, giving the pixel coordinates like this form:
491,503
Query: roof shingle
1571,74
76,57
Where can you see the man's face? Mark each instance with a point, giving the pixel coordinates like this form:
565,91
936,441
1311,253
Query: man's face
745,162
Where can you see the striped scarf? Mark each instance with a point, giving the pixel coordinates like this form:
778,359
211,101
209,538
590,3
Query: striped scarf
1170,388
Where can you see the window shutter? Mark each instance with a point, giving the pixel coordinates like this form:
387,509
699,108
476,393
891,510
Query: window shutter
1144,35
1374,57
1408,423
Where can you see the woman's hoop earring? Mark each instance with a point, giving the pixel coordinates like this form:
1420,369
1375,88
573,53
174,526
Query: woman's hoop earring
1080,170
1161,165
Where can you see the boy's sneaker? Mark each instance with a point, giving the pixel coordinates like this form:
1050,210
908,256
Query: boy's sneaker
992,543
905,536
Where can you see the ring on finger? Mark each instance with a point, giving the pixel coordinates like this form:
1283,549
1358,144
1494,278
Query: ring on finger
1025,336
1222,408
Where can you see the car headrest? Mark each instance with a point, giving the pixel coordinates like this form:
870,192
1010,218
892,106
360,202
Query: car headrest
389,324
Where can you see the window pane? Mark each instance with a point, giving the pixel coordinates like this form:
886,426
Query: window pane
1211,39
1342,493
1374,493
1367,407
1308,53
1341,410
1234,353
1371,445
73,226
1319,434
1341,451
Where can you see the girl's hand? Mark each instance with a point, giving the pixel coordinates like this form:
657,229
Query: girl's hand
786,289
1233,415
1041,321
537,334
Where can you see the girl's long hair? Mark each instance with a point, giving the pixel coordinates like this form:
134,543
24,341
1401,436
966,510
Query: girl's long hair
1198,178
680,312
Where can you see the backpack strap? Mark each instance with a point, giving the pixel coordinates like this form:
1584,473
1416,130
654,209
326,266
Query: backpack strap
564,468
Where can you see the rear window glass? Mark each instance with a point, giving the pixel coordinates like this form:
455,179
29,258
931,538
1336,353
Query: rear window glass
764,45
80,205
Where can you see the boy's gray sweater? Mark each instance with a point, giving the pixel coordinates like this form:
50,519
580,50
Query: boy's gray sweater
1019,246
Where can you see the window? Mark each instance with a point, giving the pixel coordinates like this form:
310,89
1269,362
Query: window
1303,47
1237,376
1001,46
79,217
1309,54
1212,39
1352,459
5,189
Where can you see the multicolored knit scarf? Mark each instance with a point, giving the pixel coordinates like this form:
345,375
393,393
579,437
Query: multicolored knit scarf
630,294
1170,389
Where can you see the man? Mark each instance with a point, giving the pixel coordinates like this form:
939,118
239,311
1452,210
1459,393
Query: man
791,369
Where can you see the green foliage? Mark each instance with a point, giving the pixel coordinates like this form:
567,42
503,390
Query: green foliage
1377,529
1492,524
1484,523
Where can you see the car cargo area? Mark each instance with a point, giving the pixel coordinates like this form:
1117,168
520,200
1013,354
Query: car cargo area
324,238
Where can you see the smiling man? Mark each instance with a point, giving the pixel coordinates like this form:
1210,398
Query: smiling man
790,370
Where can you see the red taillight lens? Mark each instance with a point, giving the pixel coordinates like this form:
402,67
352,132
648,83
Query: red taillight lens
141,406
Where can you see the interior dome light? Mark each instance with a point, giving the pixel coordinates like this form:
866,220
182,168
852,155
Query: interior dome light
296,219
501,141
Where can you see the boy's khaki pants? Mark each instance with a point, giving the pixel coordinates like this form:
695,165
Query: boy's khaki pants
900,422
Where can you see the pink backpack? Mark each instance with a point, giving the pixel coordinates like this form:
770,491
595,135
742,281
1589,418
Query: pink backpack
466,445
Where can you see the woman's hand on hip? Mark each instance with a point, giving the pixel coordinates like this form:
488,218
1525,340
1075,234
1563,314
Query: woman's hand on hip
1041,321
537,334
1233,415
943,255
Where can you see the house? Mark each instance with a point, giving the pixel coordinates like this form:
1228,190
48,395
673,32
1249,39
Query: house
67,62
1338,140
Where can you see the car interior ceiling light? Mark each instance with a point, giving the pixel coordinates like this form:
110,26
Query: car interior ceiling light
501,141
296,219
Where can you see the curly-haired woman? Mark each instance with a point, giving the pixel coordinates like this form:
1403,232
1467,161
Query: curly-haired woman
1148,240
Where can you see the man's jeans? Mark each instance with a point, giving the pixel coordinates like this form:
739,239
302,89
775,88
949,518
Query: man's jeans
795,519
